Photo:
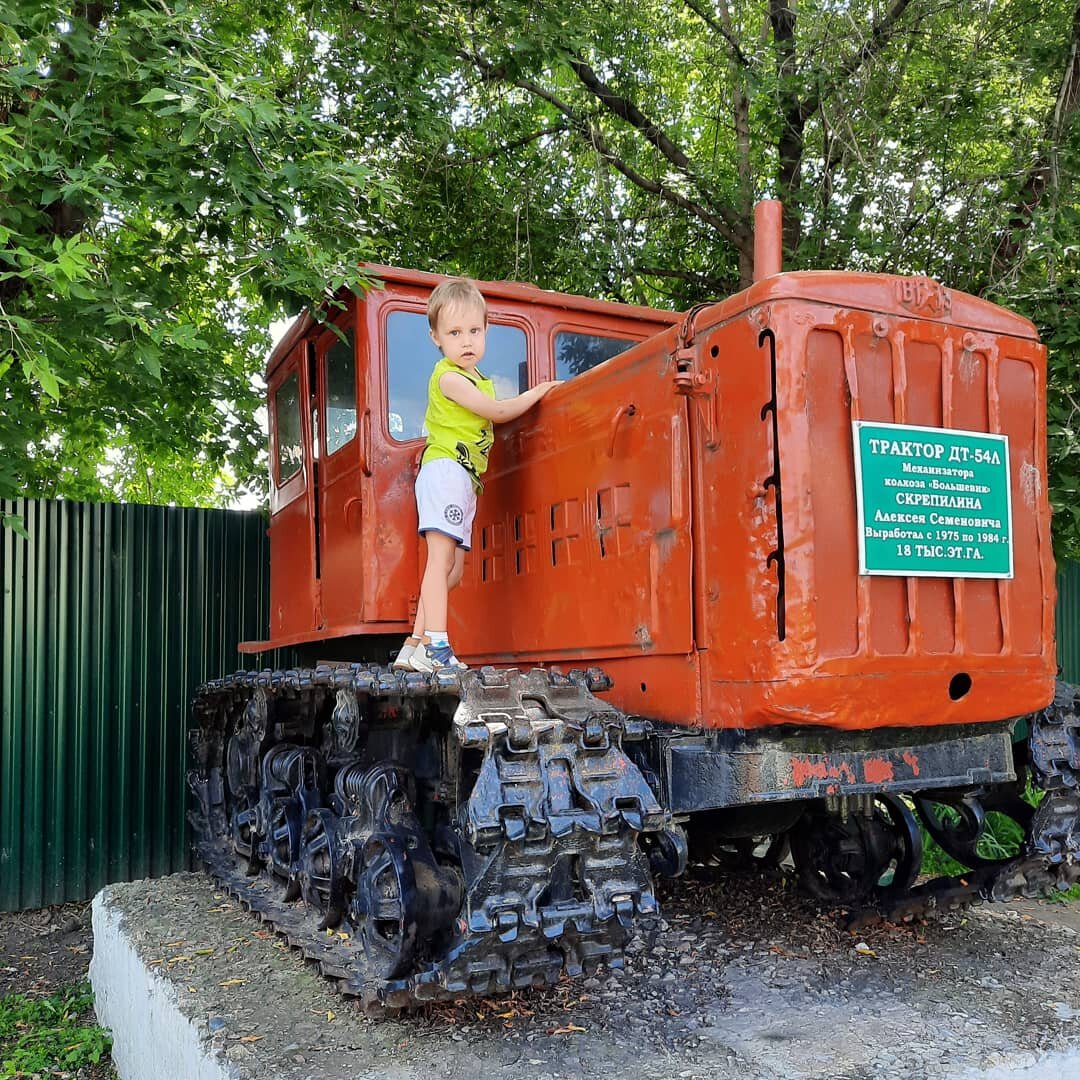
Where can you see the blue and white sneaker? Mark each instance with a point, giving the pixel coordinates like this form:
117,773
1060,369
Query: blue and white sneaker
427,657
401,661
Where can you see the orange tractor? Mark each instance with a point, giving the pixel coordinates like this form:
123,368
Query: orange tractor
771,575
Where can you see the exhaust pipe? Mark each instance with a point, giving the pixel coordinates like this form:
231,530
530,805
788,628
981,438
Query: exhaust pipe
768,238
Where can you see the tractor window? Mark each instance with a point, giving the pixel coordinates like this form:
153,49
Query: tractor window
340,392
290,454
575,353
411,354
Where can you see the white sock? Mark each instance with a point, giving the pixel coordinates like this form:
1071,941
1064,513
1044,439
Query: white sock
438,638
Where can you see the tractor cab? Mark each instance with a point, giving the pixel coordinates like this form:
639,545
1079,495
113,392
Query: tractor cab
346,409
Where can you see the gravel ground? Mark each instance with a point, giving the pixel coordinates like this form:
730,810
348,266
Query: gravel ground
738,979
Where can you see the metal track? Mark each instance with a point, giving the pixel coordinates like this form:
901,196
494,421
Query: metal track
541,854
540,863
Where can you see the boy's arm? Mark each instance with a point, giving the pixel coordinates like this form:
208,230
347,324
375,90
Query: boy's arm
458,389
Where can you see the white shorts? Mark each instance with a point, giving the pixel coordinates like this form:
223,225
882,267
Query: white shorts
446,500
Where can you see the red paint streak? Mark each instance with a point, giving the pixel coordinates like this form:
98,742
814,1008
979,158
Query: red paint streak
878,771
803,770
844,772
912,762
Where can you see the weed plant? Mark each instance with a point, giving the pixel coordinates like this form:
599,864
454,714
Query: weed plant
50,1036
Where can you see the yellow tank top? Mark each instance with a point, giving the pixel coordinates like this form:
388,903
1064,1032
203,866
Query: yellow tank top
453,431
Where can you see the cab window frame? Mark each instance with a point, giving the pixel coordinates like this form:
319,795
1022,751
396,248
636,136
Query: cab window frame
510,320
324,345
589,330
284,491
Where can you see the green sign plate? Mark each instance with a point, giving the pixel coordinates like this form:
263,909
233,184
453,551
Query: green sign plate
932,502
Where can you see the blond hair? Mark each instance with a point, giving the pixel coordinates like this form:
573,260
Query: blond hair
457,292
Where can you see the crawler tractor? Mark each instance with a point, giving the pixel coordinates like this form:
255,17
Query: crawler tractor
771,575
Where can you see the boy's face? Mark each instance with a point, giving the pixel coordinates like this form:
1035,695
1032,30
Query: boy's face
461,335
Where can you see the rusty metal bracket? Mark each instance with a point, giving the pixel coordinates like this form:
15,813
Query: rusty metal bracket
700,386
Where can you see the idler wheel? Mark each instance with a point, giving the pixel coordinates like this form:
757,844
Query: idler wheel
958,823
907,851
255,715
284,837
244,825
241,766
384,906
851,860
667,851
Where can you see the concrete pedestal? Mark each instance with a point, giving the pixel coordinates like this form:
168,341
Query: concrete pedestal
153,1036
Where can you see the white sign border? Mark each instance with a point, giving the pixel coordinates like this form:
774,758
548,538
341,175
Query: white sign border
860,523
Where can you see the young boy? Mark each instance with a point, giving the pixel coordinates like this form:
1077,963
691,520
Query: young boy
460,413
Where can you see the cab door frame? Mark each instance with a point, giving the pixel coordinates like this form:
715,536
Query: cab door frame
293,584
342,493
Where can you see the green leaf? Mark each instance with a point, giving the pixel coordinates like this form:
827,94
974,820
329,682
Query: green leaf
158,93
15,524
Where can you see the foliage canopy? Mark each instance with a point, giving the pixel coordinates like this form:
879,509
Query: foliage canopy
176,175
173,177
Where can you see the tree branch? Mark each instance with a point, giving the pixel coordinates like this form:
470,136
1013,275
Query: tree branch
516,144
654,187
881,33
705,281
792,118
740,116
1043,173
628,111
1068,97
724,28
492,73
840,148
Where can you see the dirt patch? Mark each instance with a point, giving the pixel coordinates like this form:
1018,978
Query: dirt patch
41,950
1049,912
739,978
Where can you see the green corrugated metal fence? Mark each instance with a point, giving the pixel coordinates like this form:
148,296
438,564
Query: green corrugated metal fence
111,615
1068,621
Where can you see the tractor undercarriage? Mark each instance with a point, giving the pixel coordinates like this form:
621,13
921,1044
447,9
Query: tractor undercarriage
434,837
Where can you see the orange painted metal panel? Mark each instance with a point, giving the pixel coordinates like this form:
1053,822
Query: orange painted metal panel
366,576
1023,617
831,467
735,518
293,594
685,516
388,544
582,536
340,476
886,657
665,688
921,403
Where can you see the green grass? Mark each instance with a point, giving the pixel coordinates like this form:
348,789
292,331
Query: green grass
51,1036
1001,840
1069,896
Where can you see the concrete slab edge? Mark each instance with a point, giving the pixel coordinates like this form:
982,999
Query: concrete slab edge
152,1038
